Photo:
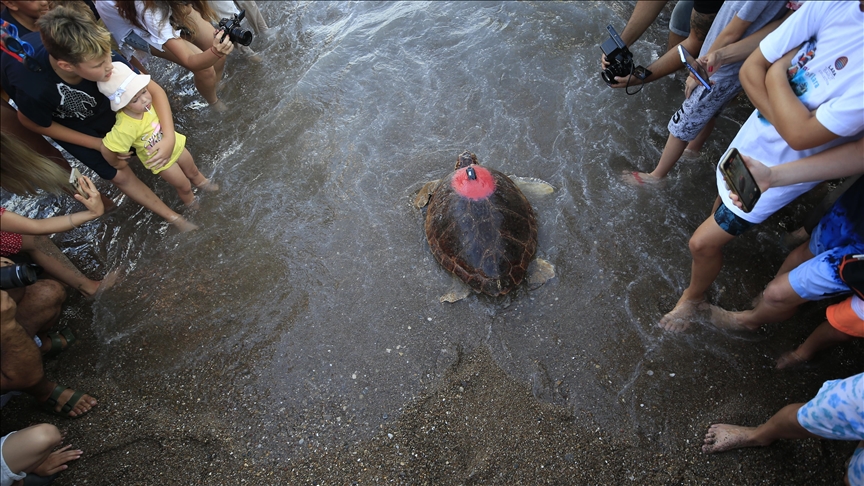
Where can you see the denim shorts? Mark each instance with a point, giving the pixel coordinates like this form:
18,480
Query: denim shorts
679,23
731,222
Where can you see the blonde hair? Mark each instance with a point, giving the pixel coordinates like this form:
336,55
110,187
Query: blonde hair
70,33
24,172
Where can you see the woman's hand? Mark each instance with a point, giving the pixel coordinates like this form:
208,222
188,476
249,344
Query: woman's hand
92,202
223,46
711,61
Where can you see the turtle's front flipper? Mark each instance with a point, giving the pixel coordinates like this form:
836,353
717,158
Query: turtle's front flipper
539,271
457,292
425,194
532,187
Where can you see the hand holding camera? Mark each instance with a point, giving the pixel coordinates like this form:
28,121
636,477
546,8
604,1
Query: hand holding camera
232,29
619,71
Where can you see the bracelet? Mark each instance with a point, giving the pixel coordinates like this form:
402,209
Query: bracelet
70,221
220,56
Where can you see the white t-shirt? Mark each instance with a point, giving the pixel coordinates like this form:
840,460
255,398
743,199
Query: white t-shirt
828,77
157,32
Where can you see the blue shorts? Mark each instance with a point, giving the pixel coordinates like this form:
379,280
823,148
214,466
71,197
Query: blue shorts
91,158
679,23
731,222
819,277
837,412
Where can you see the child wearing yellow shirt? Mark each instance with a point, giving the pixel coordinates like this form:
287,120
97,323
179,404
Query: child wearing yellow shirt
138,126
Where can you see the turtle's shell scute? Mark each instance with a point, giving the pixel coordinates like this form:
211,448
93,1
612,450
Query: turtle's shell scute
488,243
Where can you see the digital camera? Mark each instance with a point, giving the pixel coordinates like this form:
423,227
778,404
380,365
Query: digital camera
620,59
19,275
234,31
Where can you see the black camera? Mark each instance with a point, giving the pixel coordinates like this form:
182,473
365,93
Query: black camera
620,59
232,29
19,275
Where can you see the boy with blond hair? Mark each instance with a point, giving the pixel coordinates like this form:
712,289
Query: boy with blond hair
56,94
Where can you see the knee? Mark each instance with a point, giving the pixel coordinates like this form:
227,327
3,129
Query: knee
777,294
207,76
702,247
43,437
51,293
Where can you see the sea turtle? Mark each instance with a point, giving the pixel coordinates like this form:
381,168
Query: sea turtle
480,227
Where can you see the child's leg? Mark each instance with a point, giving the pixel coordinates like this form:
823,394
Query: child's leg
174,175
671,153
823,337
190,170
696,144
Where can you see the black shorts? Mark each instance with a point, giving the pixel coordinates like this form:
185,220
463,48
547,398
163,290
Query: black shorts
92,159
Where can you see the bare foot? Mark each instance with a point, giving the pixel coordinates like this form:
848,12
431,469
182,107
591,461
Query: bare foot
678,319
639,178
57,460
182,224
107,282
727,320
59,398
789,360
218,106
725,437
690,154
194,204
208,186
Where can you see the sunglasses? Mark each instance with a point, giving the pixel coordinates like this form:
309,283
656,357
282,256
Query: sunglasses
21,50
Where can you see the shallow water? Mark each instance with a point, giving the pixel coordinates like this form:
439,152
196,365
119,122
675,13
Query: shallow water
310,287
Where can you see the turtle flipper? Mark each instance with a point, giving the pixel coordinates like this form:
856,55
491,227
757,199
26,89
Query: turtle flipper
532,187
539,271
456,293
425,194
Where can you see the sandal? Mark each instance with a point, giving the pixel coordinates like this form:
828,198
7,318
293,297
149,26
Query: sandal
57,345
52,401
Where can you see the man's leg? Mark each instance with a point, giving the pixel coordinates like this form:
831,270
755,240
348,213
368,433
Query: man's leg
783,425
706,248
39,305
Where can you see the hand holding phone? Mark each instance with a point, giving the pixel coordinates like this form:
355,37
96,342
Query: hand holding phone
740,180
694,67
73,179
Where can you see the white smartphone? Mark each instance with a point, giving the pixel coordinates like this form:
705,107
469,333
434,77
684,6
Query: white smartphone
694,67
73,179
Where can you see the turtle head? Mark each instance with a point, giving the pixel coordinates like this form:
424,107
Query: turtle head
465,159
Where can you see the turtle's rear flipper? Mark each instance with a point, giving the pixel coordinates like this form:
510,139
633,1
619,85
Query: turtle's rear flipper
425,194
539,271
457,292
532,187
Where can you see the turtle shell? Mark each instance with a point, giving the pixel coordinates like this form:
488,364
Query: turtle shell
482,229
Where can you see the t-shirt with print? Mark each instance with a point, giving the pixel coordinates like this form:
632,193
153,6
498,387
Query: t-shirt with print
44,97
826,75
758,12
142,135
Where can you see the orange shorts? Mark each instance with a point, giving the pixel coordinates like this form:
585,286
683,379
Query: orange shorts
843,318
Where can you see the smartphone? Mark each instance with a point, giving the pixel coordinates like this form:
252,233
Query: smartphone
739,179
694,67
73,179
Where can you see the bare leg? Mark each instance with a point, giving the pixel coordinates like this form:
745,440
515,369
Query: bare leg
205,79
45,253
706,248
822,337
174,176
779,302
674,40
671,153
131,185
696,144
253,15
39,305
27,448
783,425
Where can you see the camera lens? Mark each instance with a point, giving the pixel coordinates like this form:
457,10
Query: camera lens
608,76
18,275
241,36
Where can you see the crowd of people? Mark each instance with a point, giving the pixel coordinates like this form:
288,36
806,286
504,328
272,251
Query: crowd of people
801,65
77,73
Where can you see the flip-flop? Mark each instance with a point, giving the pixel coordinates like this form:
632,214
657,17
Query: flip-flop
637,177
57,346
52,401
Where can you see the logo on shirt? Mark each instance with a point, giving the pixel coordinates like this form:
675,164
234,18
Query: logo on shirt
74,103
841,62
